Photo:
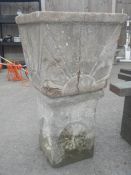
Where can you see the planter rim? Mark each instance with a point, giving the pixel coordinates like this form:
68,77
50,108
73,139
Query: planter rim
63,17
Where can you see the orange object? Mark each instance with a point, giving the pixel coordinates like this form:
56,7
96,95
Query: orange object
14,72
0,66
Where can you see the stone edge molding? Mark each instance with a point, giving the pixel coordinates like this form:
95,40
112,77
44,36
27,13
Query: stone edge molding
52,16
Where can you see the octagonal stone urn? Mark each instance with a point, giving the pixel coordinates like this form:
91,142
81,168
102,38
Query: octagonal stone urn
69,56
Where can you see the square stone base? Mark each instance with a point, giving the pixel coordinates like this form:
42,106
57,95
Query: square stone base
67,131
70,157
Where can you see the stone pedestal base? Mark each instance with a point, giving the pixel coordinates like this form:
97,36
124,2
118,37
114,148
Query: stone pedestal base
126,121
67,127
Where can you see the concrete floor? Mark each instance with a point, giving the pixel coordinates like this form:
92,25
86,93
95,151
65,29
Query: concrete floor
19,128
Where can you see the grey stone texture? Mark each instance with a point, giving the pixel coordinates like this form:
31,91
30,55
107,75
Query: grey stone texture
79,5
100,6
69,53
66,5
67,127
69,56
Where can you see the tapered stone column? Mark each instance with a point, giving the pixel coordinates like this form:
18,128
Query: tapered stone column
69,57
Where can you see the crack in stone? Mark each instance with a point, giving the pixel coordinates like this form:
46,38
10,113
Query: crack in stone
78,77
79,72
54,41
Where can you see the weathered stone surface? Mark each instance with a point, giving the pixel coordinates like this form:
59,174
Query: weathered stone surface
69,53
66,5
67,127
79,5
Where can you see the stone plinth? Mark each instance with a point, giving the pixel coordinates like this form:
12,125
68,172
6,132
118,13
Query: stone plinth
69,57
68,127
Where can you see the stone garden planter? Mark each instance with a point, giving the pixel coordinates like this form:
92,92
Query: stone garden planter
69,56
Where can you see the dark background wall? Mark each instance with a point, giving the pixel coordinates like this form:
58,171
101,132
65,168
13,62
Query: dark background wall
15,53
